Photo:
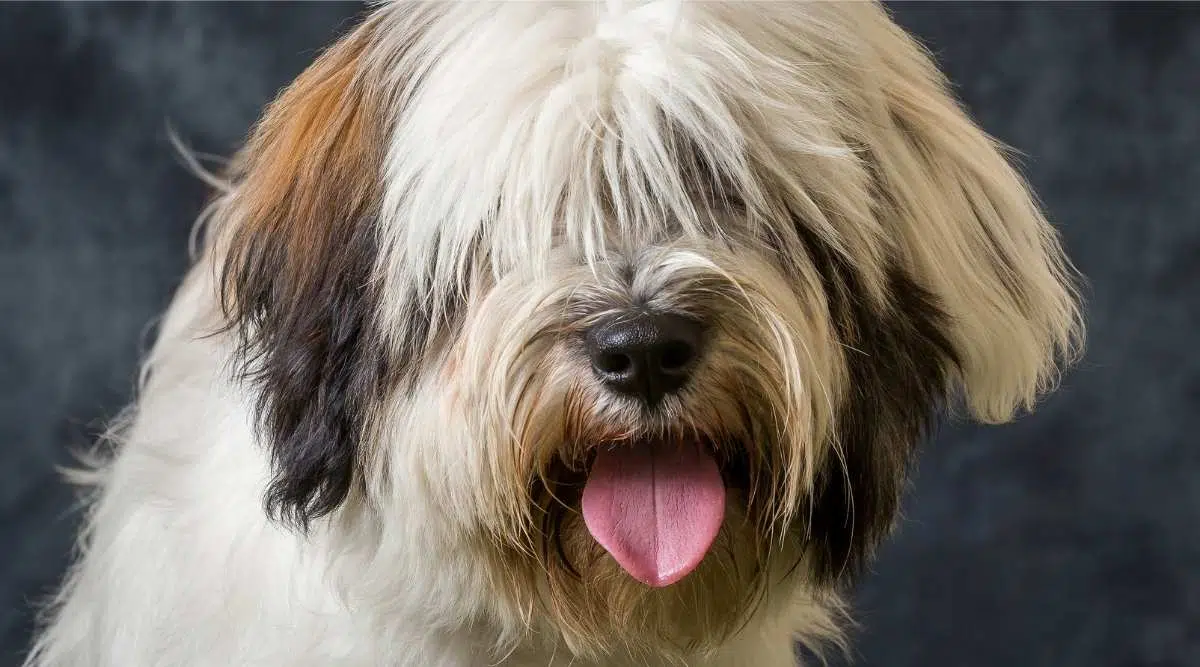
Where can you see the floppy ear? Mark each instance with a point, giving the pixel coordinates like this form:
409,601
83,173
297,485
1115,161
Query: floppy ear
971,232
981,294
299,249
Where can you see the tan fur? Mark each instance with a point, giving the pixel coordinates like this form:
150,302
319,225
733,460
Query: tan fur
554,417
970,227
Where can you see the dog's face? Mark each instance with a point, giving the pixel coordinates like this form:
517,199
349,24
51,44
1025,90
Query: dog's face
653,301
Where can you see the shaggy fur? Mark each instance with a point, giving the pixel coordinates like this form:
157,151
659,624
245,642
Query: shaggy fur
362,433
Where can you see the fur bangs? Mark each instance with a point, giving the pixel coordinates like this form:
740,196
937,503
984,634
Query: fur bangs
604,129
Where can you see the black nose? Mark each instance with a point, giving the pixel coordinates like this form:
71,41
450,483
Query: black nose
646,355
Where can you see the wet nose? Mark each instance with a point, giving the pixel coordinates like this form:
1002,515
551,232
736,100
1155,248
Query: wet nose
645,355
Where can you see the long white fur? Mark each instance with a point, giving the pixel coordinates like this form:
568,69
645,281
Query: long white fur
504,115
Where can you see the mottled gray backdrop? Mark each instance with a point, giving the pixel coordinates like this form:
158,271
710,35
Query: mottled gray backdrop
1071,539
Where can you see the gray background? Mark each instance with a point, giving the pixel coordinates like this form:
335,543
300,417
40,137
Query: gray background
1070,538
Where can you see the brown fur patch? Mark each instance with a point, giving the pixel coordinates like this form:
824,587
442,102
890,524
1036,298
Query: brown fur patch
311,170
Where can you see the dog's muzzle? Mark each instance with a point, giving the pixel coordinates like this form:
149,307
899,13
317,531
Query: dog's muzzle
655,506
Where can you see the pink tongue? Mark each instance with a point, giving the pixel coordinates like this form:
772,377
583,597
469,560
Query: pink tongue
656,509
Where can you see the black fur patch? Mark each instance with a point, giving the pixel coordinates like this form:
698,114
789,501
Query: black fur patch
314,352
898,370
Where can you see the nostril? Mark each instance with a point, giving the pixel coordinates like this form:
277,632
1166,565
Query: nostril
675,356
613,363
643,354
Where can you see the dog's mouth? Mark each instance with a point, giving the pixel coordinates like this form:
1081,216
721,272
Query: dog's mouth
655,506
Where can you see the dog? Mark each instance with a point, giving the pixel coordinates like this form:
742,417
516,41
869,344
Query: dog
586,333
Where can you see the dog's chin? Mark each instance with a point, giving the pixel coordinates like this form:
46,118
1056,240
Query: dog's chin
604,594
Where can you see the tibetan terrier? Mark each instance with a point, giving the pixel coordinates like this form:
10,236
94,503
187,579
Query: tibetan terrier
586,333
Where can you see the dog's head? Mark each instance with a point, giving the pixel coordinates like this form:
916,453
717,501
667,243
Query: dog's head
653,300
